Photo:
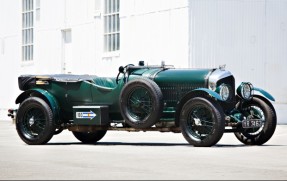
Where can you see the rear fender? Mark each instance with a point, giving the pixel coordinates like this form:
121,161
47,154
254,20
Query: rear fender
49,98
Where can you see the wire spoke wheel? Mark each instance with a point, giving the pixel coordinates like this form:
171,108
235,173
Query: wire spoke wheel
258,108
35,121
202,122
141,103
254,112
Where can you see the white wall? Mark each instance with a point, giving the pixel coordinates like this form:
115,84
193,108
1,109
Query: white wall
151,30
10,51
155,31
57,16
276,46
250,37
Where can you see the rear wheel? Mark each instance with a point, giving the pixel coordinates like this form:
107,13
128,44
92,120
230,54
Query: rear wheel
202,122
90,137
258,109
34,121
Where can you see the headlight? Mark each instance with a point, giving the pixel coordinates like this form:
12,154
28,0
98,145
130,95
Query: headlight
245,90
224,92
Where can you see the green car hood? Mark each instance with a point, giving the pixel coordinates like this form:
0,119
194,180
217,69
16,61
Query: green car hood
189,77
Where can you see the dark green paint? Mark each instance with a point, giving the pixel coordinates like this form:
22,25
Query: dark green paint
183,76
52,101
210,92
265,93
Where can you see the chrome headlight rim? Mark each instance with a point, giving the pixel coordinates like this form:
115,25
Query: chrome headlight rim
212,86
245,90
224,91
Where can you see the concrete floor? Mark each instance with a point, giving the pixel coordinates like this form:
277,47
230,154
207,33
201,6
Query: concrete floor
141,156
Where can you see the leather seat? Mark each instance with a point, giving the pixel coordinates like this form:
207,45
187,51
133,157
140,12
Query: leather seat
105,82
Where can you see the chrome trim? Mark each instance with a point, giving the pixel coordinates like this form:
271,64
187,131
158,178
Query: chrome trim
222,87
217,75
206,79
243,91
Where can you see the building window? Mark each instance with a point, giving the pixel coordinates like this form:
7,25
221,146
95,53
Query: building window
112,25
27,30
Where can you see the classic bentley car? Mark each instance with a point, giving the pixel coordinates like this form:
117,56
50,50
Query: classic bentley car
202,104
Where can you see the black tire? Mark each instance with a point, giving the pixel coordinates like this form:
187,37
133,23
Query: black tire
90,137
141,103
34,121
58,131
208,127
258,136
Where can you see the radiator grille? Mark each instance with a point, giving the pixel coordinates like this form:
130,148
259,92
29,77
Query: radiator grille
173,92
228,105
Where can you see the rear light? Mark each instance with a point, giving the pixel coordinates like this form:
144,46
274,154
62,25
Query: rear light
11,113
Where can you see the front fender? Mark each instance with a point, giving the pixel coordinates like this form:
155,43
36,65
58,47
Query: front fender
264,93
49,98
200,92
210,92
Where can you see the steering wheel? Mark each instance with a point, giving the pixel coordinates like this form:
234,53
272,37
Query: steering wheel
123,70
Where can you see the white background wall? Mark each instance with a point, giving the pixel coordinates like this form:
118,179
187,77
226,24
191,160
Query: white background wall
155,31
10,53
250,37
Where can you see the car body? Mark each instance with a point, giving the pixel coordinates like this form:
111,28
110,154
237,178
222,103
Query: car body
201,104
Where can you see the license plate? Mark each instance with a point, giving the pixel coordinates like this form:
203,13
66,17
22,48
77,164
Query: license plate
252,123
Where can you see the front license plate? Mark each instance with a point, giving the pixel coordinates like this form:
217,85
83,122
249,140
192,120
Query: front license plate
252,123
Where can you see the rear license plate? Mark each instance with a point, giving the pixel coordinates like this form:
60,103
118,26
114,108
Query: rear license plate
252,123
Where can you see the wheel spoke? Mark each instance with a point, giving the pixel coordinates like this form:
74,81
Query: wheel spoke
200,122
210,122
139,103
133,102
33,122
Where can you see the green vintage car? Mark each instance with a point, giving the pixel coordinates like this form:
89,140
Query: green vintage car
202,104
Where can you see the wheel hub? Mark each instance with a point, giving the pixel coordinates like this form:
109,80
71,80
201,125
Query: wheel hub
197,122
31,121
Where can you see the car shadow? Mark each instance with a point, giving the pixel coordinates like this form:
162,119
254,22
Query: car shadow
242,145
122,144
155,144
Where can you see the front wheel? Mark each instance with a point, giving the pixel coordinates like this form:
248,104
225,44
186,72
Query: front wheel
90,137
257,108
34,121
202,122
